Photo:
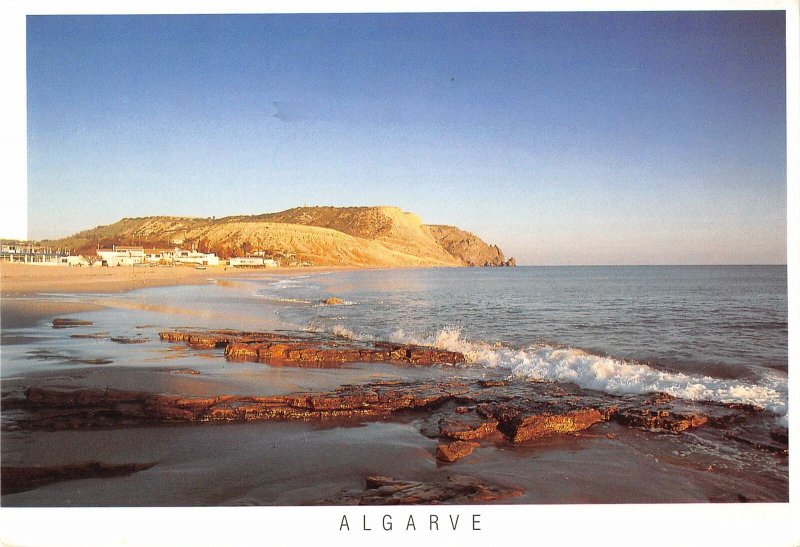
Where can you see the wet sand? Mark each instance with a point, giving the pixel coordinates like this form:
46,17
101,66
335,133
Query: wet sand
19,313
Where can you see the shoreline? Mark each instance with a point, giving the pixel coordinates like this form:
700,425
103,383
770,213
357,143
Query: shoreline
157,387
24,279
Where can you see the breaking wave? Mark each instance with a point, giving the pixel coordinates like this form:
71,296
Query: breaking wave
343,332
281,299
608,374
342,303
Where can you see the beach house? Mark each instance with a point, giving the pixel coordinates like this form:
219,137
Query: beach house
181,256
119,255
30,254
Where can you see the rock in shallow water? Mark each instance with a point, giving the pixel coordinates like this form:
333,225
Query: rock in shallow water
455,489
455,450
317,351
68,322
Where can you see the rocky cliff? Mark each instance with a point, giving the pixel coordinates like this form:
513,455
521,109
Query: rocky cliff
321,236
468,247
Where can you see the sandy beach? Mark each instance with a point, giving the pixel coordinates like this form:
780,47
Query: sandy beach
21,279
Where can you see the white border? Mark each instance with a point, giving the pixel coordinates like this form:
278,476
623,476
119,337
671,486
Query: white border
730,525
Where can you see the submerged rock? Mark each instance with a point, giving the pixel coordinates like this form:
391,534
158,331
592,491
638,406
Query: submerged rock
68,322
129,340
455,489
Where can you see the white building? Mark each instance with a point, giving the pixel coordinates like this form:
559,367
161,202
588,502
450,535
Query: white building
121,256
247,262
73,260
252,262
30,254
195,257
159,256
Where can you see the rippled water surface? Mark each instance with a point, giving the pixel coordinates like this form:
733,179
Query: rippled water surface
716,333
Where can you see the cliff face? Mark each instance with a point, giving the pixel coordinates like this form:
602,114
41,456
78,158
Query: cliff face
468,247
322,236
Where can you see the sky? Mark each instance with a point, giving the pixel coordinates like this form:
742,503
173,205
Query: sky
565,138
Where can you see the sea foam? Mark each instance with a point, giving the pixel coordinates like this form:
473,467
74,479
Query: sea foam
608,374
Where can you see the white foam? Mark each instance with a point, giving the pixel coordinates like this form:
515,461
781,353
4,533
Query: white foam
343,332
322,304
608,374
289,282
283,299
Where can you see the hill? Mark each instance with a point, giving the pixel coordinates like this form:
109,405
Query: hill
321,236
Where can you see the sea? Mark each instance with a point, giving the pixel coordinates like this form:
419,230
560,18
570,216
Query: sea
716,333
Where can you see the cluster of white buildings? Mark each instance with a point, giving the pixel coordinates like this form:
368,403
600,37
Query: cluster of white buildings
122,255
119,255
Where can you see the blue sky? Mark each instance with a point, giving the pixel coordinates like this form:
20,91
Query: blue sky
565,138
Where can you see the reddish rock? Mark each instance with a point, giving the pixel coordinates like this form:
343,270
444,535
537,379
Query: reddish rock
54,408
522,420
492,383
660,419
174,336
463,431
278,349
333,301
455,450
663,412
273,351
242,351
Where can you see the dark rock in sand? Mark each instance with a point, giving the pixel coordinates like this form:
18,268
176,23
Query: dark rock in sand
68,322
760,438
455,450
47,355
456,489
19,479
780,435
128,340
91,336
